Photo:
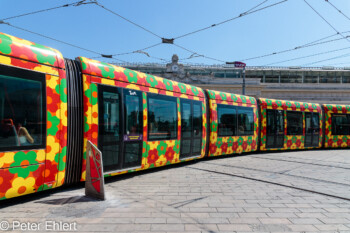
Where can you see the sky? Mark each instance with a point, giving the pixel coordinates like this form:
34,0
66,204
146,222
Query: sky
284,26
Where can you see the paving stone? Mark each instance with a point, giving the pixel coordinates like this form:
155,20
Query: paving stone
274,221
213,199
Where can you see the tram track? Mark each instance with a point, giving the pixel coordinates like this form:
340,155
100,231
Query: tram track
293,161
280,173
272,183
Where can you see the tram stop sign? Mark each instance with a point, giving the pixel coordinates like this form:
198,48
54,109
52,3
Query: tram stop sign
239,64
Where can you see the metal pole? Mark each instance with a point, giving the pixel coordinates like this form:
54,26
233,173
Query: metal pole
243,84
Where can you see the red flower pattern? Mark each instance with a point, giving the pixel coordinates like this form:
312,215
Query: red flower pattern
298,143
5,180
244,145
152,156
169,154
212,148
224,147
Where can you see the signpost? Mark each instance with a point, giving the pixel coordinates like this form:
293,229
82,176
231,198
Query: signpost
242,65
94,183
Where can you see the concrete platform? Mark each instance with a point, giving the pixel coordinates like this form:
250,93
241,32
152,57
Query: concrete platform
305,191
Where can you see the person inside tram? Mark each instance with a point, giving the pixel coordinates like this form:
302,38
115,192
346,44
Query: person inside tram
24,137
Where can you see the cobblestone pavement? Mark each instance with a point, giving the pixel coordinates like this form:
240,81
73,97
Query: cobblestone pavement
305,191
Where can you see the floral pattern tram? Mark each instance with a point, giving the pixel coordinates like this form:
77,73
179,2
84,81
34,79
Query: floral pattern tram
28,171
291,142
234,144
24,171
331,140
154,153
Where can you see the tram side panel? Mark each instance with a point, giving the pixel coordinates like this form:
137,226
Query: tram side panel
140,121
337,126
234,123
33,122
289,125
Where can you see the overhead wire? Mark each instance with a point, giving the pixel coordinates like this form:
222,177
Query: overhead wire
336,64
257,6
312,55
78,3
324,19
315,41
50,38
143,49
170,41
338,9
201,55
328,59
231,19
193,53
293,49
122,17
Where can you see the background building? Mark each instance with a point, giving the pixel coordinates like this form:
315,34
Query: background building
316,84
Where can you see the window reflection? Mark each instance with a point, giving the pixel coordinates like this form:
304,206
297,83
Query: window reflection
162,117
22,119
294,123
227,120
340,124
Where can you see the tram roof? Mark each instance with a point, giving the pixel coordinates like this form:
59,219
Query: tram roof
118,73
290,105
230,97
29,51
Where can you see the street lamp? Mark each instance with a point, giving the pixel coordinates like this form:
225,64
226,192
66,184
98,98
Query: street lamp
242,65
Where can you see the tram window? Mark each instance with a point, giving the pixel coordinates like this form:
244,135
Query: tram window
245,121
227,120
22,109
340,124
133,111
316,122
294,123
162,117
197,119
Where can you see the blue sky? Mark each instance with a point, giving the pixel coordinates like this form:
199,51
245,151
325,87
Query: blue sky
282,27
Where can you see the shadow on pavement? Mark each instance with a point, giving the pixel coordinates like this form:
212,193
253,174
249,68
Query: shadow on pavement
68,200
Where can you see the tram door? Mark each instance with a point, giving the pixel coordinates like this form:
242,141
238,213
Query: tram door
274,129
191,128
120,127
312,129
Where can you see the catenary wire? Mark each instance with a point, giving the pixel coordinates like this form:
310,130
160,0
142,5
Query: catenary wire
250,11
131,52
151,46
50,38
120,16
338,9
256,6
312,55
337,64
324,19
327,37
328,59
228,20
79,3
200,55
293,49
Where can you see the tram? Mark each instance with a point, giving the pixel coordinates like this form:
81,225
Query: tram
50,107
